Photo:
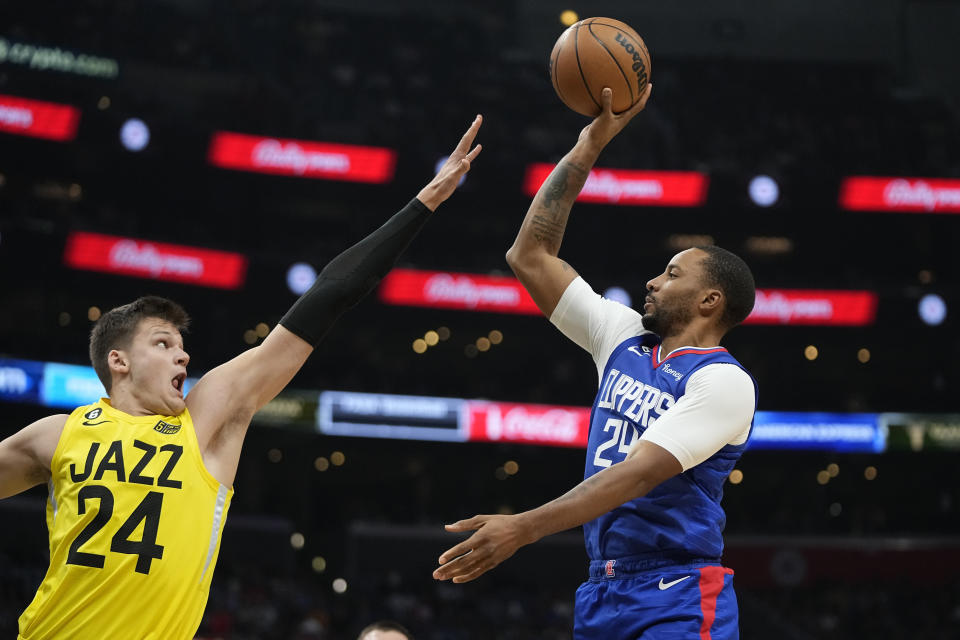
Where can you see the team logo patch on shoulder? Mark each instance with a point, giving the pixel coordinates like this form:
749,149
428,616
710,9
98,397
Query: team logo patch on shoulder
93,414
166,428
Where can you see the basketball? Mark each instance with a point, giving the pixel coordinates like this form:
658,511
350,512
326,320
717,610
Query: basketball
596,53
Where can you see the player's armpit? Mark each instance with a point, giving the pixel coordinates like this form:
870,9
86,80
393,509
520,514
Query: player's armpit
242,386
716,410
655,463
25,457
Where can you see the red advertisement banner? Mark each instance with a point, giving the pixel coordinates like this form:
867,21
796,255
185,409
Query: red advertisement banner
155,260
814,307
527,423
908,195
631,187
301,158
471,292
38,119
468,291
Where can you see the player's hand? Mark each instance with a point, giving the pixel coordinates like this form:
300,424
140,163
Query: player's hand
608,124
456,166
496,539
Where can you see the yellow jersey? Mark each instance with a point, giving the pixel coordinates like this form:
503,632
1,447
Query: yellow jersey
135,521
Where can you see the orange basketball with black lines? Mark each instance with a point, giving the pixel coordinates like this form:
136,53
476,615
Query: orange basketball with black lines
596,53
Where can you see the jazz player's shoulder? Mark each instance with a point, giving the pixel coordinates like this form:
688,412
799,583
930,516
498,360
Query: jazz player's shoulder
39,440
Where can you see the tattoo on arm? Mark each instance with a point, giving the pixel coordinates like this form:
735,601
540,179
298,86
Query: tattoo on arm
547,231
551,208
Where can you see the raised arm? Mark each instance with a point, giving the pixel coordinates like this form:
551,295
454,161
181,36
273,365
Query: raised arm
534,254
225,399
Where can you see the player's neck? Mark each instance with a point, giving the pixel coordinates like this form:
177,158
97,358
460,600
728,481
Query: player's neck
123,399
691,336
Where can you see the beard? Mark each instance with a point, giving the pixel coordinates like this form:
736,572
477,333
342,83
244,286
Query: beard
668,319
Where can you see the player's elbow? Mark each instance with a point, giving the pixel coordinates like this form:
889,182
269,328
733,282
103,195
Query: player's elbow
521,262
513,257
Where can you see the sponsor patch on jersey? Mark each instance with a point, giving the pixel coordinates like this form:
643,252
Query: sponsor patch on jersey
166,428
93,414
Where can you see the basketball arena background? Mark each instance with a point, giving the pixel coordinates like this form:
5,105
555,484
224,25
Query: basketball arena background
218,152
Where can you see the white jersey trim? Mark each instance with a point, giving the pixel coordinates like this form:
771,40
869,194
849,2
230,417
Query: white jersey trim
215,527
716,410
594,323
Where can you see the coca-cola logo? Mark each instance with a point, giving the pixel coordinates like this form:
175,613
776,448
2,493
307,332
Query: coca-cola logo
16,117
528,425
129,254
903,193
606,185
291,156
785,309
446,288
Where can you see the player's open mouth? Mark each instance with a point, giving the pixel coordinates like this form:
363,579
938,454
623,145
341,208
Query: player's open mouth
177,382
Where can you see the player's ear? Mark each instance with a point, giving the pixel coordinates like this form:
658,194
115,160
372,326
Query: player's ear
118,361
711,301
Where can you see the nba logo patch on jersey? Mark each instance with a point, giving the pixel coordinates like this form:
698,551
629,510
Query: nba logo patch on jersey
94,414
609,568
166,428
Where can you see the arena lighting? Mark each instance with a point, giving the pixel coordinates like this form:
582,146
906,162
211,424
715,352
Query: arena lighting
932,309
568,17
135,135
38,119
300,277
814,307
155,260
301,158
447,290
631,187
683,241
769,245
376,415
618,294
764,191
900,194
473,292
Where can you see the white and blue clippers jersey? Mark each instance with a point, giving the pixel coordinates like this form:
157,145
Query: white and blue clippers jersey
680,520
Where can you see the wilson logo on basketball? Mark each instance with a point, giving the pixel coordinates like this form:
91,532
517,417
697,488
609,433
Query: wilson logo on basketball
638,67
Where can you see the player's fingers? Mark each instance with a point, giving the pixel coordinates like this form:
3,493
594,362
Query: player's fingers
473,575
465,525
641,103
456,566
475,152
646,95
464,547
470,134
606,100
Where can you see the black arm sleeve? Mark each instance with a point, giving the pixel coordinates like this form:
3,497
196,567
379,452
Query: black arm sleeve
353,274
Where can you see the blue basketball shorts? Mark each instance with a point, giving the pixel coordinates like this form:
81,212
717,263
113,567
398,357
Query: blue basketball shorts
629,601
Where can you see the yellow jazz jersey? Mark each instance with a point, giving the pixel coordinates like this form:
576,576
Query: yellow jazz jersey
135,521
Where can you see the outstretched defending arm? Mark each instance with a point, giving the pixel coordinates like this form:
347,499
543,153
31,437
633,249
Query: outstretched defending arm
533,256
225,399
